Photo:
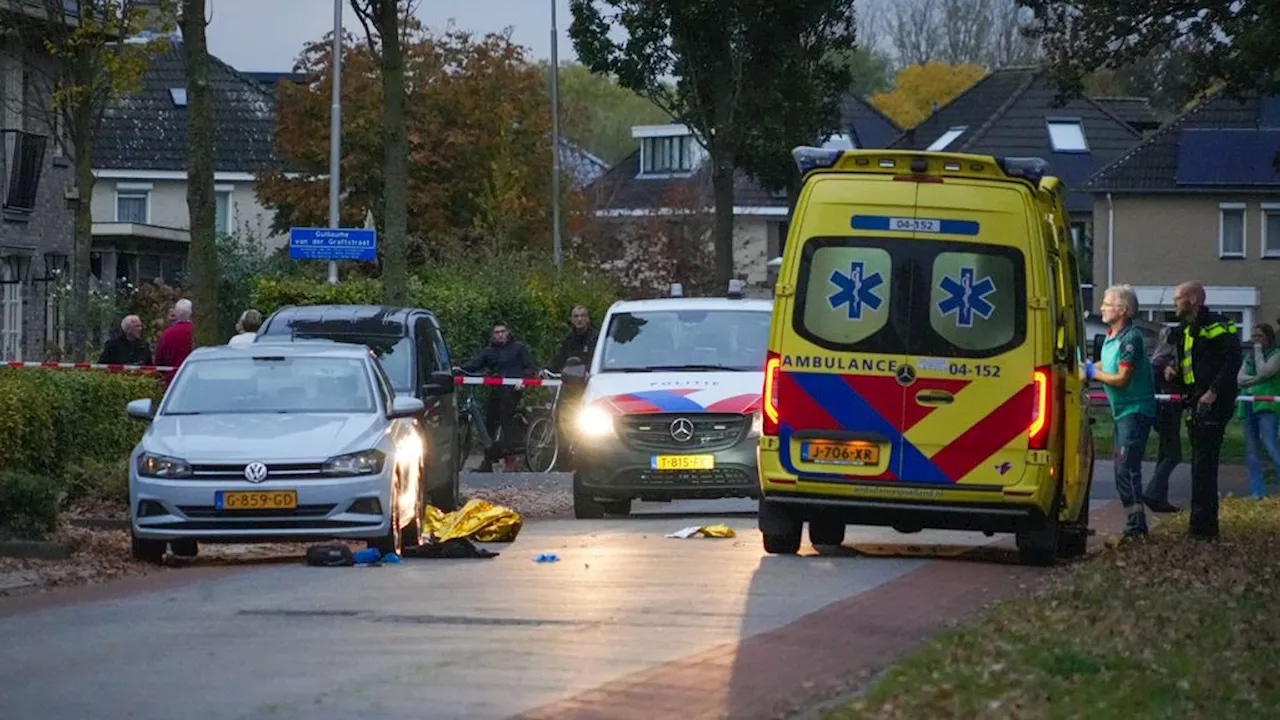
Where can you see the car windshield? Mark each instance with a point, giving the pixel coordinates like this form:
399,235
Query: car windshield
266,384
394,352
686,340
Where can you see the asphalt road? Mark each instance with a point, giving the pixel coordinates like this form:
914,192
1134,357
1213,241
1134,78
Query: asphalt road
484,638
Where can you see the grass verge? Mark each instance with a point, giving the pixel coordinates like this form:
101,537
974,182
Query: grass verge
1232,440
1169,627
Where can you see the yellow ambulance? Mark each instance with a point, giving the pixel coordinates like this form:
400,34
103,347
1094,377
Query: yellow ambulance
923,352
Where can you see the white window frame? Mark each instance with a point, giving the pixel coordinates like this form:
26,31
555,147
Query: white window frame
945,139
10,317
1267,210
133,191
230,192
1075,124
675,140
1223,209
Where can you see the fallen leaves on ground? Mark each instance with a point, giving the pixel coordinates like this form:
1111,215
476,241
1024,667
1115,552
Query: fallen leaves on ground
1167,627
531,501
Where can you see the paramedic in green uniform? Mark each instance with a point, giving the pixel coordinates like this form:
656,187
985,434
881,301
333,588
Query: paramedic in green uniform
1125,373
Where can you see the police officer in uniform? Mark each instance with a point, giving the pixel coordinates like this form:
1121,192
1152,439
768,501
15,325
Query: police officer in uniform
1208,352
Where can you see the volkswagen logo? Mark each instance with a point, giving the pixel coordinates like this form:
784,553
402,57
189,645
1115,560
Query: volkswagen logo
682,430
905,375
255,472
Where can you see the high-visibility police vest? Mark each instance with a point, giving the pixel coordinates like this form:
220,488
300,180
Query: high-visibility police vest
1208,332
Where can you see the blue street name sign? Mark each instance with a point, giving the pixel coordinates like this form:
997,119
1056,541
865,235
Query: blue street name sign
359,244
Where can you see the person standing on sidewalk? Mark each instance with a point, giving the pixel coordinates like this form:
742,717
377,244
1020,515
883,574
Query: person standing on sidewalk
1126,376
1208,360
1168,425
1260,375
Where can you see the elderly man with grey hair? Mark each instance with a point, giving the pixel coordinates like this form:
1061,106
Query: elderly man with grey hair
127,348
1125,373
175,343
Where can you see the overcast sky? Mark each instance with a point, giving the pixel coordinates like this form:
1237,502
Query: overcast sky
267,35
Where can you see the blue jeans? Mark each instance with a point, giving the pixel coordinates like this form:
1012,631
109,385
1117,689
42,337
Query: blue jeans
1259,429
1129,442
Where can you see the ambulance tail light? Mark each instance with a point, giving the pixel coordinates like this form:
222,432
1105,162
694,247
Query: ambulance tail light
1041,409
772,369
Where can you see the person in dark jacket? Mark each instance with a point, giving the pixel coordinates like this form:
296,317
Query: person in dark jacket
503,357
1168,423
127,348
579,342
1209,357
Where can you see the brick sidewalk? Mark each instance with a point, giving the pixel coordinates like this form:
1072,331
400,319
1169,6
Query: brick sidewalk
823,655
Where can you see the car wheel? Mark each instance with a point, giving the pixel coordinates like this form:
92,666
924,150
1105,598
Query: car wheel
826,532
392,541
151,551
185,547
1039,545
446,498
585,507
1074,542
780,530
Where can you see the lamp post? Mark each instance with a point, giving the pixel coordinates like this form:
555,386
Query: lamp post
335,130
557,246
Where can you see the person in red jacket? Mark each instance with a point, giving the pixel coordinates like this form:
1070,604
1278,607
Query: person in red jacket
174,344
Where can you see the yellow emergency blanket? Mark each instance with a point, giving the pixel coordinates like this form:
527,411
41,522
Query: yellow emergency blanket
712,531
478,520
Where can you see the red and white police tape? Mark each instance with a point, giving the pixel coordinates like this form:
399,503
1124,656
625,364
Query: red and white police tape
1242,398
89,366
458,379
512,382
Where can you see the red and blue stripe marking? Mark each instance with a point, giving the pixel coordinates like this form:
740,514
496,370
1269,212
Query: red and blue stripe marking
677,401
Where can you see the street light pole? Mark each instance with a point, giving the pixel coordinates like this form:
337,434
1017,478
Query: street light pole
558,247
335,131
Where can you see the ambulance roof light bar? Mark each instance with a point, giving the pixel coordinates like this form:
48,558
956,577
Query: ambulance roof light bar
1031,169
815,158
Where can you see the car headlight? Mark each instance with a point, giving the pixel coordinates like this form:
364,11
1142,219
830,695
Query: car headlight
365,462
593,422
162,466
757,425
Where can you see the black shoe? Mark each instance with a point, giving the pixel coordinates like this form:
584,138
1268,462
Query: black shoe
1160,506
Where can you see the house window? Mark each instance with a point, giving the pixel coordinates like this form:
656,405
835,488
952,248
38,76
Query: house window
222,212
179,96
1270,230
1231,230
10,314
1067,135
947,138
24,161
132,204
666,154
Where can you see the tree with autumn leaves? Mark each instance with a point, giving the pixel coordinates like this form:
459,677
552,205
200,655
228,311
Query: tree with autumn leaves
477,120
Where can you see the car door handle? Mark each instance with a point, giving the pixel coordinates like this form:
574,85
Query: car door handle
934,397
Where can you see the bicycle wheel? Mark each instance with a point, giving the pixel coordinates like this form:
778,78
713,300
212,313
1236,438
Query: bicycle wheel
541,446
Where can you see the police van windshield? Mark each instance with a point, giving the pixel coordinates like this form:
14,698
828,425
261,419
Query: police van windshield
686,341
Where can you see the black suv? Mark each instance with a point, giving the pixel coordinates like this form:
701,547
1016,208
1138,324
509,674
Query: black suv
412,350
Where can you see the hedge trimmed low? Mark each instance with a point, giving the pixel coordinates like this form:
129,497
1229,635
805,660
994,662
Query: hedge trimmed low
28,506
468,299
54,420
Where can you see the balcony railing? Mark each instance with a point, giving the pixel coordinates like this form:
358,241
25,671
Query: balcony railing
23,164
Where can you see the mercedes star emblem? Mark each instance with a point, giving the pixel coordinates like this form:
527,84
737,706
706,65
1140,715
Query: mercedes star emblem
682,430
905,374
255,472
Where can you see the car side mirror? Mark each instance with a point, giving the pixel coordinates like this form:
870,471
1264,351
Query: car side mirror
404,406
442,383
574,372
1097,346
140,409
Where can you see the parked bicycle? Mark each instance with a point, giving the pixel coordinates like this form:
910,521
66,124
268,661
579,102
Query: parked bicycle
534,427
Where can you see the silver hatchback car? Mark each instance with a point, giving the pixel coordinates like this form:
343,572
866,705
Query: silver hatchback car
270,443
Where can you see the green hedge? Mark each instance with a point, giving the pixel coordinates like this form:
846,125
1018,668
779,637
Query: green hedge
56,420
28,506
535,301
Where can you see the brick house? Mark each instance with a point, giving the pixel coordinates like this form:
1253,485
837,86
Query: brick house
36,221
669,162
1198,199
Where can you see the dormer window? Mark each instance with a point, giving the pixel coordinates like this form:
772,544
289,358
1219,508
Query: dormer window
179,96
671,154
1067,135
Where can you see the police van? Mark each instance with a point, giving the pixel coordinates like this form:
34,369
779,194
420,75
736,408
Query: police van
671,405
923,355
